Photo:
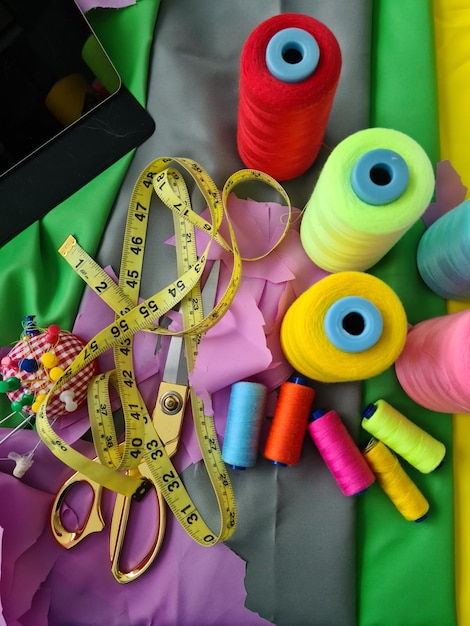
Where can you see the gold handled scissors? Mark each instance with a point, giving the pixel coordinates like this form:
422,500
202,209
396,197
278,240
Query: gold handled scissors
169,432
167,419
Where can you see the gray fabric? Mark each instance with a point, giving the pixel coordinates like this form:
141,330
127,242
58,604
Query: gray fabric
296,530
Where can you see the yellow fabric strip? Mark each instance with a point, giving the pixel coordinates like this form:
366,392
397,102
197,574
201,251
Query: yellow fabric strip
452,28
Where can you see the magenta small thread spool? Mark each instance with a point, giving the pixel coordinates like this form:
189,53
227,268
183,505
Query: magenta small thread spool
341,455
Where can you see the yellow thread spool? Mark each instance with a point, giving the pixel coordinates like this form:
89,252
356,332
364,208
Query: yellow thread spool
403,436
396,483
367,345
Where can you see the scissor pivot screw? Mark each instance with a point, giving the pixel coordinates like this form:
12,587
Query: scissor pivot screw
171,402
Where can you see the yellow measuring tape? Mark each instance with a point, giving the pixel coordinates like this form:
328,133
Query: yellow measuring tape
141,440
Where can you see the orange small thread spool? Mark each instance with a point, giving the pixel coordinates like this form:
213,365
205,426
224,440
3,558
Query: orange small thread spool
289,425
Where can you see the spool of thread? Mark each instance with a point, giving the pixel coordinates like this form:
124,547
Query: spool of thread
287,432
347,326
341,455
443,256
403,436
245,416
396,483
289,70
434,366
374,186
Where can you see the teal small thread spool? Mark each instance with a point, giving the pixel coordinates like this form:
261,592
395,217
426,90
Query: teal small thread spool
244,421
443,254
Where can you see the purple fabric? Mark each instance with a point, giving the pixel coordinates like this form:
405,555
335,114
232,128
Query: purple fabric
86,5
45,585
450,192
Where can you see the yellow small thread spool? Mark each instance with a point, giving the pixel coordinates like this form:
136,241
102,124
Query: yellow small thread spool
309,346
406,438
396,483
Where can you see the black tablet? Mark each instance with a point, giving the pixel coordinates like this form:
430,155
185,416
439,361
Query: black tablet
65,115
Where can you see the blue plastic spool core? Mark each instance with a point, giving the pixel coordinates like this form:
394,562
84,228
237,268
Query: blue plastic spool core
353,324
278,463
292,55
369,411
317,414
298,380
380,176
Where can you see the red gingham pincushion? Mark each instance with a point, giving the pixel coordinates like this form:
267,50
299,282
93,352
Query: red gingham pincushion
65,348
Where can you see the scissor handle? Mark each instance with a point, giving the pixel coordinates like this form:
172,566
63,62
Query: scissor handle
119,522
168,414
93,522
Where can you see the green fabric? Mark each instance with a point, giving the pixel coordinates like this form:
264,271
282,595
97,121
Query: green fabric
406,570
35,280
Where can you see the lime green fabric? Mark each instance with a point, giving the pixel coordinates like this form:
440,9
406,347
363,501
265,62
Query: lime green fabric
406,570
34,279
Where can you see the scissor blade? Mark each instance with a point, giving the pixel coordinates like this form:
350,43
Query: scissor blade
175,368
168,414
173,360
209,292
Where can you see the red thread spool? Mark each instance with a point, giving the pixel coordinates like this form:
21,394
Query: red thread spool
341,455
281,124
287,432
